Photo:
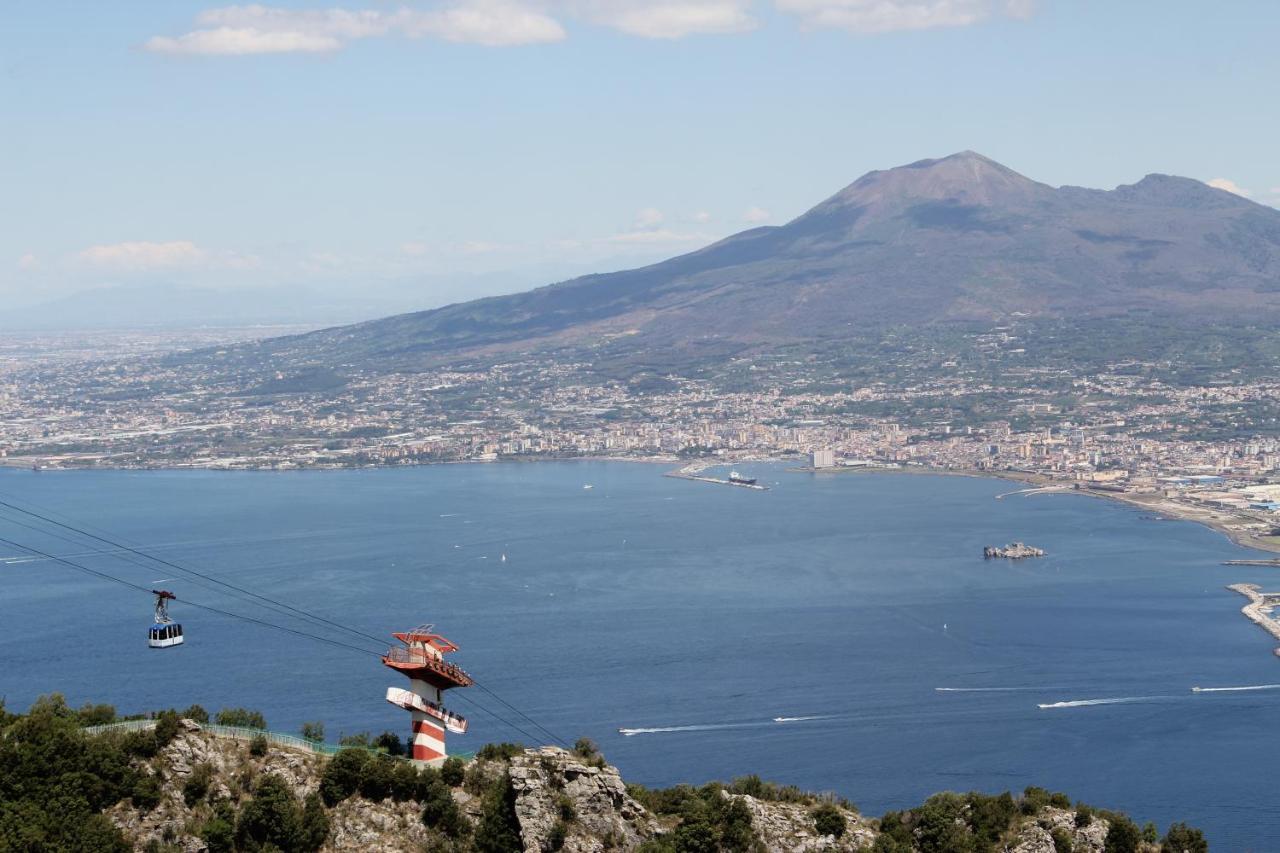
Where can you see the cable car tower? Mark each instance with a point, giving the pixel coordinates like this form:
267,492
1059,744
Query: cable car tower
421,658
165,632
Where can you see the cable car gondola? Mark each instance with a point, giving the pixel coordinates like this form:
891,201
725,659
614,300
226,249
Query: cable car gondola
165,632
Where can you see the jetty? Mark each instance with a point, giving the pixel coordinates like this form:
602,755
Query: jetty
1275,562
1259,609
684,475
1012,551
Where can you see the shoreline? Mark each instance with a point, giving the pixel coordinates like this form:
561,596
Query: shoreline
1218,521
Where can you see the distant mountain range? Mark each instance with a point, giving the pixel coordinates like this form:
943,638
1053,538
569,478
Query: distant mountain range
961,239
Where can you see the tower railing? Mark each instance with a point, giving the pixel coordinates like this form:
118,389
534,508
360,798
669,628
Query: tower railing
415,657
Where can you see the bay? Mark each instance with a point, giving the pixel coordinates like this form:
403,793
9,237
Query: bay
690,615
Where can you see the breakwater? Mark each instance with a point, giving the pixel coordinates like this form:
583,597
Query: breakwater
1258,610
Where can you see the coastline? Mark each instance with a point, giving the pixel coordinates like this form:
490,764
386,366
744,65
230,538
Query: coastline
1218,521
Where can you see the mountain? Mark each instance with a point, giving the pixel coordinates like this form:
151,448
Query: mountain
961,239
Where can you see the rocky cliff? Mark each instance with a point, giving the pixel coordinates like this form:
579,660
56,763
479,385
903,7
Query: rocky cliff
539,800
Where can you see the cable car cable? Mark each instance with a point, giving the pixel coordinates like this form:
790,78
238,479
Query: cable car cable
104,576
300,612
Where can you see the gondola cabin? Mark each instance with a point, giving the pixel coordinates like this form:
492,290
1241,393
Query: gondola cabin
162,636
165,632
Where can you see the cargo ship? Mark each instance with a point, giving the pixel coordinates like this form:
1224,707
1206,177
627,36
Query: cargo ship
738,479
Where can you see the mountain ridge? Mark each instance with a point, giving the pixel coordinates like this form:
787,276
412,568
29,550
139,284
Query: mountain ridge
960,238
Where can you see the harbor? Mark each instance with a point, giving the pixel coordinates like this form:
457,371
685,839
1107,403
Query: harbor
1258,610
694,471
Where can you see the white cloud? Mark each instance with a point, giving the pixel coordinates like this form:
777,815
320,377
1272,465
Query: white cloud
702,216
413,248
28,262
241,41
144,255
882,16
669,19
653,237
255,29
755,215
648,219
1230,186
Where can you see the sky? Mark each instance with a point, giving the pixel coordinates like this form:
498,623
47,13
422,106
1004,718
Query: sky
416,153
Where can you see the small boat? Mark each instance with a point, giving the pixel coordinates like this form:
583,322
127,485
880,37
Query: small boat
588,486
504,558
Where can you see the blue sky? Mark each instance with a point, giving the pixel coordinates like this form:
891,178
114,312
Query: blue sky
451,149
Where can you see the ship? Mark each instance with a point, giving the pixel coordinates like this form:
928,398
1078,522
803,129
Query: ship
1012,551
735,477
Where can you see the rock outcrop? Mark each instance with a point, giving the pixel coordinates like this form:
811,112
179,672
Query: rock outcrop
561,801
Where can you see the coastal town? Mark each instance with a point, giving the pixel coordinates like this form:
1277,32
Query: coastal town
1204,452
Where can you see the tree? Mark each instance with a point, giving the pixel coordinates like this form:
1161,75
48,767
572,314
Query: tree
241,717
376,778
453,771
314,827
197,784
390,741
1123,836
313,732
272,817
940,825
499,829
1184,839
341,776
828,820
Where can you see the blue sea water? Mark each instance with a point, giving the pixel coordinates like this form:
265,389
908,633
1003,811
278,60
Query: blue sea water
692,615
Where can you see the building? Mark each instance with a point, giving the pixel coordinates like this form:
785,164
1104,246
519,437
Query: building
421,658
822,459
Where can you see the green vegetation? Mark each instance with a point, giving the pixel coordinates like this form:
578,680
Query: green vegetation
56,780
241,717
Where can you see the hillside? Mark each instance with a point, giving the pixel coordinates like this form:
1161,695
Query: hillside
172,785
960,239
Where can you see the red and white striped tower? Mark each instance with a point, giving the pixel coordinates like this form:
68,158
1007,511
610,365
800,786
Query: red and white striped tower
421,658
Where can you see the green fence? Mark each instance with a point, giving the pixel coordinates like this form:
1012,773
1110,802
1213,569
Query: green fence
243,733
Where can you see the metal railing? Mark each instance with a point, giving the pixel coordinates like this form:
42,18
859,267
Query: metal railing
245,733
399,654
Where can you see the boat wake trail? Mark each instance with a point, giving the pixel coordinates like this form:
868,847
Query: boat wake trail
1235,689
1084,703
802,719
988,689
707,727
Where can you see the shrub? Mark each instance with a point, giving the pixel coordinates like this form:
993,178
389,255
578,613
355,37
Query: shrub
272,817
391,743
499,829
453,771
557,836
167,727
439,811
196,714
1183,839
1061,841
585,747
828,820
241,717
313,732
404,781
314,827
341,776
197,784
1123,836
95,715
499,751
258,745
1084,815
376,778
146,792
568,814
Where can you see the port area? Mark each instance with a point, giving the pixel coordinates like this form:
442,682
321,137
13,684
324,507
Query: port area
1258,610
694,471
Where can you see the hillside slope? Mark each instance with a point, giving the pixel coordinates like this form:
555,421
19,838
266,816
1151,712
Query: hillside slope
958,239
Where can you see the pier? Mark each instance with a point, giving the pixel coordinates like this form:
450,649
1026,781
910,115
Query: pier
1251,563
1258,610
685,475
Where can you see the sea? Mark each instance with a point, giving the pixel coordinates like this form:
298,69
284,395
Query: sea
839,632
